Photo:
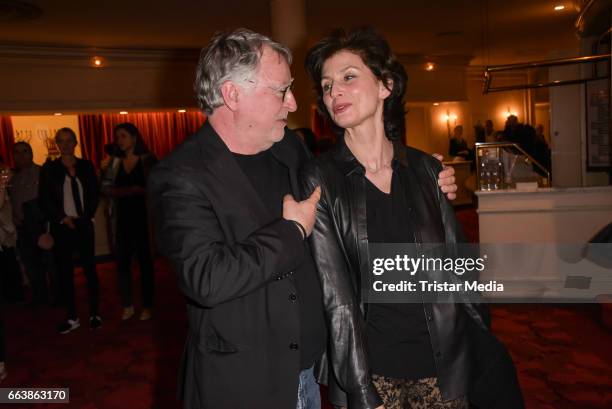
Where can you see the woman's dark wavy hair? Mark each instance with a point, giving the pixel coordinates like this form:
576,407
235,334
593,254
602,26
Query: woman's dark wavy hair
140,148
377,56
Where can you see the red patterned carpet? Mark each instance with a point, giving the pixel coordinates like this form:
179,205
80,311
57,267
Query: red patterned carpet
563,353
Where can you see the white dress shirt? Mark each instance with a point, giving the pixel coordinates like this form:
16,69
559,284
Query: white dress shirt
69,205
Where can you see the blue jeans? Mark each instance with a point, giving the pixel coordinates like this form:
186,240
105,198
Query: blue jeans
309,396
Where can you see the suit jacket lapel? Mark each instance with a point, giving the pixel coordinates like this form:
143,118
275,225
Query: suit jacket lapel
286,154
229,190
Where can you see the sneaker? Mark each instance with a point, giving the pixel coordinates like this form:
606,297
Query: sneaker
128,312
69,325
95,322
146,314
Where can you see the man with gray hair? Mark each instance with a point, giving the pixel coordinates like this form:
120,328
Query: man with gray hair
227,219
254,301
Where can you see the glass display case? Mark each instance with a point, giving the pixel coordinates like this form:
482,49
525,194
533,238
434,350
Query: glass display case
503,165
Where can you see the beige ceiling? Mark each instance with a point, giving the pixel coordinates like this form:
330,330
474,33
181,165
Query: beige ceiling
493,31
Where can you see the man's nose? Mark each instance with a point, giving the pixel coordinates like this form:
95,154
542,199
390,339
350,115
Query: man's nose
290,102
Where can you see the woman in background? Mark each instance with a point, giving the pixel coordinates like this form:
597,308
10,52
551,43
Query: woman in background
125,182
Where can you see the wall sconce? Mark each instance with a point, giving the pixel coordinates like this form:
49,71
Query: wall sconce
508,113
429,66
448,117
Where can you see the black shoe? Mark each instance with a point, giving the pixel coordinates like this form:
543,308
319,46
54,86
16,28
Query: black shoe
95,322
68,326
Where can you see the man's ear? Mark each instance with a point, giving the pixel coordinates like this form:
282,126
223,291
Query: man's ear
231,95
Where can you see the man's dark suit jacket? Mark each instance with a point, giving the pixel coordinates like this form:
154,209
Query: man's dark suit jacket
234,262
51,189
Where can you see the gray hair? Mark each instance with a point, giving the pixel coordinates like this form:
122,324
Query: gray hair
230,56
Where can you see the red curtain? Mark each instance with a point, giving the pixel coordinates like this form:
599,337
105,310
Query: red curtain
161,131
7,139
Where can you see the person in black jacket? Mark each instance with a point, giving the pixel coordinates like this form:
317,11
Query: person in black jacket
68,194
374,189
255,316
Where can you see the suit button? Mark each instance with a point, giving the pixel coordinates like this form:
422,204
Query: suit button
292,297
293,346
429,318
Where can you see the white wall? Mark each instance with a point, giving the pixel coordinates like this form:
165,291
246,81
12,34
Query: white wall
39,131
557,215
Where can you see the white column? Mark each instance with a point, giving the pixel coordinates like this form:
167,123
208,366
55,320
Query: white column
566,127
288,26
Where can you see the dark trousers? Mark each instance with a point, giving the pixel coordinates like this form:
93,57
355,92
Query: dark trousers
68,242
31,257
133,240
10,276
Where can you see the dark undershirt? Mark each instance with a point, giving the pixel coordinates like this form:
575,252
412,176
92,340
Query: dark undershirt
270,178
398,340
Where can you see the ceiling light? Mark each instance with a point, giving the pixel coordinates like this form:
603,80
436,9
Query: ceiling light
559,7
436,104
430,66
182,111
123,113
58,114
97,62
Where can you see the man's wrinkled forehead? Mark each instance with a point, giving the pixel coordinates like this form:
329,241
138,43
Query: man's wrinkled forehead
272,60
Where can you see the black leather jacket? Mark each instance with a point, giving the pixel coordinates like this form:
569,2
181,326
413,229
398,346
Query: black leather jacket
340,248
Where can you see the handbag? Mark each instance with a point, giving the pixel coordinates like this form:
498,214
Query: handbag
45,240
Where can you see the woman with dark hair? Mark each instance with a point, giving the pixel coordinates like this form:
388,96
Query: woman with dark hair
125,182
374,189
